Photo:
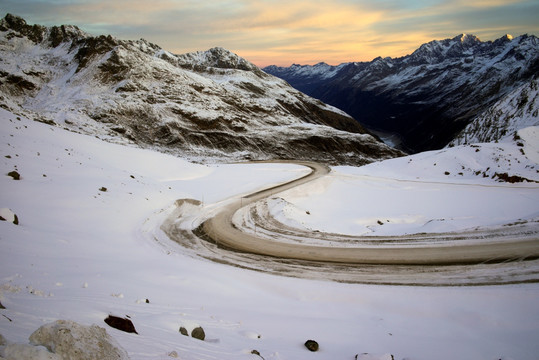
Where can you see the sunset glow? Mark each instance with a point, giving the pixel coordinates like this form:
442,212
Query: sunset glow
283,32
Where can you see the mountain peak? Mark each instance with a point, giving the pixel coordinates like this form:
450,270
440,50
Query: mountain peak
37,33
218,57
507,36
467,38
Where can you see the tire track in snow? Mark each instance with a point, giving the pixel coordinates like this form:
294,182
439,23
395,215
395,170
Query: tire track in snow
473,257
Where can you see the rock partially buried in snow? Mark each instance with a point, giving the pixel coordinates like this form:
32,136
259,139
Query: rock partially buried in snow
14,174
122,324
311,345
367,356
198,333
9,216
73,341
27,352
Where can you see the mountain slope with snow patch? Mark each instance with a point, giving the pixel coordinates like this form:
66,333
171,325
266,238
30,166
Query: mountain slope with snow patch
429,96
209,103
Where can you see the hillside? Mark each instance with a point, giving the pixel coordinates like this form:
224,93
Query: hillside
428,97
209,104
517,110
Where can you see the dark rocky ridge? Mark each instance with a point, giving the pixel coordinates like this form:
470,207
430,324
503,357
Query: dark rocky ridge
426,97
211,103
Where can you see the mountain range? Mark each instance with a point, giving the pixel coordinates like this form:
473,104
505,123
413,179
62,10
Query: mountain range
428,97
200,105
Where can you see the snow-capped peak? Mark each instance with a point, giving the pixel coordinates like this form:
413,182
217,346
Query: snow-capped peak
467,38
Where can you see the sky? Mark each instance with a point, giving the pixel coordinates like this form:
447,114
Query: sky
283,32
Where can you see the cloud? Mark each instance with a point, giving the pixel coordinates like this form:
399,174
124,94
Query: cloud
283,32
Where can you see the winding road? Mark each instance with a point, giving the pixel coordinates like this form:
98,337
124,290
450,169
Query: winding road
510,250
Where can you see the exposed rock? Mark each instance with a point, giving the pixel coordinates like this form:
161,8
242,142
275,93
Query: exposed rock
256,352
184,331
9,216
311,345
505,177
198,333
1,307
122,324
14,174
73,341
29,352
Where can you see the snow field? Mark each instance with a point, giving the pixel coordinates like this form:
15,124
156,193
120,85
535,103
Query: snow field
82,252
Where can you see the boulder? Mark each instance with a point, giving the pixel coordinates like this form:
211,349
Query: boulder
198,333
311,345
14,174
122,324
73,341
27,352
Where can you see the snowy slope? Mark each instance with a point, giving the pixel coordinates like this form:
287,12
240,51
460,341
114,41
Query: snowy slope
426,97
82,252
212,103
456,189
517,110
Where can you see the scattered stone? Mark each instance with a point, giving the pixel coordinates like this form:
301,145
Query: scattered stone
71,340
147,301
311,345
14,174
2,306
122,324
173,354
198,333
184,331
104,189
9,216
256,352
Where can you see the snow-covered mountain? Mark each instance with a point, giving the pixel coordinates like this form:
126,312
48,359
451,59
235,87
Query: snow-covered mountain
426,97
517,110
200,104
